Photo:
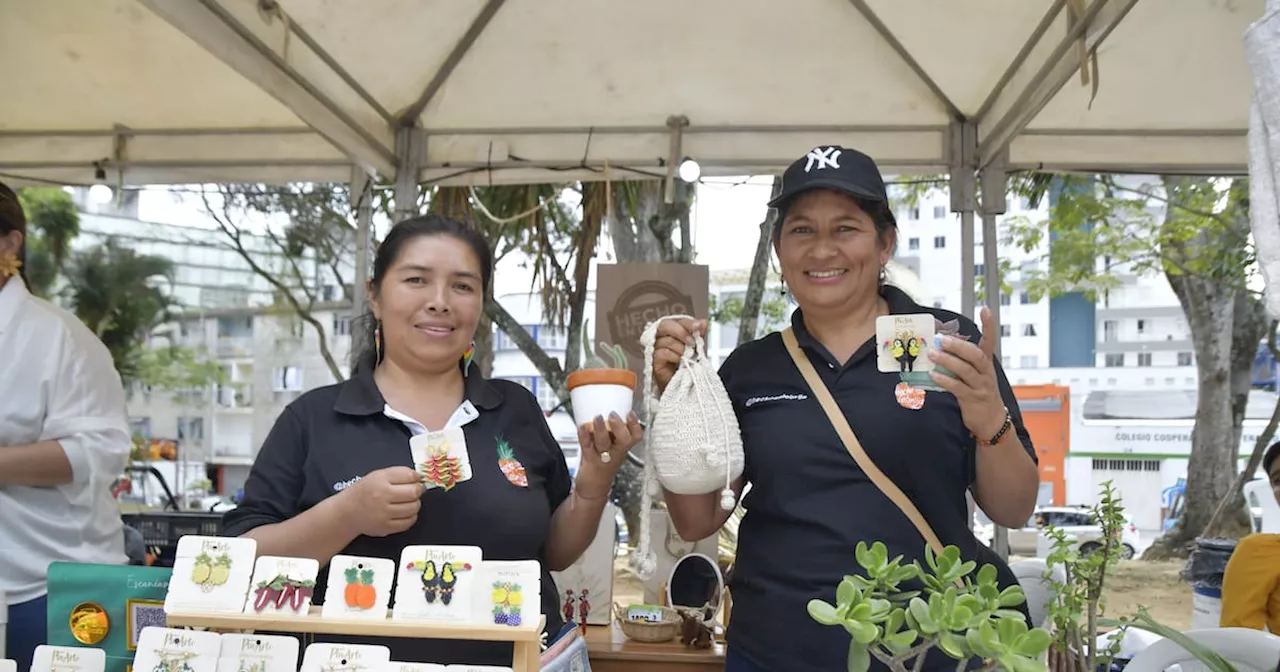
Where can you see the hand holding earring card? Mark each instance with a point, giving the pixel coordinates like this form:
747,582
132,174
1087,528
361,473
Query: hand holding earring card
282,585
345,658
441,458
903,343
258,653
437,583
358,587
210,574
171,650
68,659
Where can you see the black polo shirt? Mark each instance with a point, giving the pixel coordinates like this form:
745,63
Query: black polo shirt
810,504
332,436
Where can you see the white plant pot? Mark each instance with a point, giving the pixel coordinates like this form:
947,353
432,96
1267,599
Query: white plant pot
596,400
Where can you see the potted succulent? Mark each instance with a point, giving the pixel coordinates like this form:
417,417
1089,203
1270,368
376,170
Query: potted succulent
600,388
964,614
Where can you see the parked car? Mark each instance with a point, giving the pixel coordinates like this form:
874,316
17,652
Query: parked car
1075,521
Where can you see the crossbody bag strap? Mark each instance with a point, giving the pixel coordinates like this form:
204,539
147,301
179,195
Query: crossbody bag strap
851,443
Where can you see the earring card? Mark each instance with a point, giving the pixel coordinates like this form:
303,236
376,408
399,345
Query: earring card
282,585
358,588
67,659
345,658
437,583
211,574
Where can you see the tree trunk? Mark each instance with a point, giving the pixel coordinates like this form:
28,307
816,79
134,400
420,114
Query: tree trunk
642,231
749,322
1210,306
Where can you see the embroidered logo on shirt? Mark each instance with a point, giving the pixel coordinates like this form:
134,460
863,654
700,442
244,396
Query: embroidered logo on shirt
343,485
776,397
510,466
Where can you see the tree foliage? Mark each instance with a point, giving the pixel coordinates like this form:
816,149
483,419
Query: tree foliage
118,295
53,222
307,227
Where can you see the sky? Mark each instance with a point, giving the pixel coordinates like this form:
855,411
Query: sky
726,216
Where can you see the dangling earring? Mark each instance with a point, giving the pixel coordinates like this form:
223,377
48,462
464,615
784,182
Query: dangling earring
884,275
377,343
467,357
10,264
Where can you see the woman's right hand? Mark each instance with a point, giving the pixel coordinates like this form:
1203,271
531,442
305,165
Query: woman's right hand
672,338
385,501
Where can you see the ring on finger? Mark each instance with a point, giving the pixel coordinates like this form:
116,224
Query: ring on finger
605,457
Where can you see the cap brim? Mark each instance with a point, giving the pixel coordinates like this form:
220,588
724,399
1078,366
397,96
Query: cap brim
821,183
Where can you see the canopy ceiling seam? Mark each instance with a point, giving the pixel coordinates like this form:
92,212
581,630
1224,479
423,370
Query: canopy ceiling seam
903,53
410,116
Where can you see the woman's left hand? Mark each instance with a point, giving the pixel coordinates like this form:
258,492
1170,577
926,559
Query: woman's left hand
605,444
974,385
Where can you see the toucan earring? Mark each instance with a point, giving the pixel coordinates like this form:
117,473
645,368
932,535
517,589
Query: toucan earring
9,265
467,356
377,342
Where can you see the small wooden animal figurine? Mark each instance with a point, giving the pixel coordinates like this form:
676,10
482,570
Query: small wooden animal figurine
584,609
569,609
694,631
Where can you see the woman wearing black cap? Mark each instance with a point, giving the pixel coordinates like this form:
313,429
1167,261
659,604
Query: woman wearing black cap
810,504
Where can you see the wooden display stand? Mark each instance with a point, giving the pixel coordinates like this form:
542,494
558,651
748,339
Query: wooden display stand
527,640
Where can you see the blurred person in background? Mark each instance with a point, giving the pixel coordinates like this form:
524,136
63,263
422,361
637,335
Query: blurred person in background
1251,586
64,438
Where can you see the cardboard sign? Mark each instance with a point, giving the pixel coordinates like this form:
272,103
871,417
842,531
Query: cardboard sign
630,296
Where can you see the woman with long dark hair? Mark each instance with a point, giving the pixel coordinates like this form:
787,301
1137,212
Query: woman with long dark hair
335,475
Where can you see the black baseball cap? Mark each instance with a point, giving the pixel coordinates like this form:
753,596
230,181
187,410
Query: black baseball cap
841,169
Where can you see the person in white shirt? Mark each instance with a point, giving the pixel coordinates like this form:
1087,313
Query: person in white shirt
64,438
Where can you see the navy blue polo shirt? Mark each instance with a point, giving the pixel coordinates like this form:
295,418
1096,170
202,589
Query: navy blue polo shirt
810,504
332,436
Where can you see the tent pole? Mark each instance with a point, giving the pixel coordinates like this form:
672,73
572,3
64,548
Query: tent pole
994,184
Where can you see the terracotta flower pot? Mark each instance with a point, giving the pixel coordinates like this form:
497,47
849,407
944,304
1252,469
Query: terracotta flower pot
599,392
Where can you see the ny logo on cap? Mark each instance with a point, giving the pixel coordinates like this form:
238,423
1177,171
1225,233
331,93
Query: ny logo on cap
822,157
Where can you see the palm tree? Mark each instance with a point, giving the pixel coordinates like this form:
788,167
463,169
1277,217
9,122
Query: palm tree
113,290
53,223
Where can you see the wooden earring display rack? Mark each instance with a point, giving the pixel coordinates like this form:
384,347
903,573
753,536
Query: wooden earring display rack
527,639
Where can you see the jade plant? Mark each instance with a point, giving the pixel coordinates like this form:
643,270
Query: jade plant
896,613
1076,604
591,360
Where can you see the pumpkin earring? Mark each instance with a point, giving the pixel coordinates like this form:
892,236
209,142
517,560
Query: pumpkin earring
467,357
377,343
10,264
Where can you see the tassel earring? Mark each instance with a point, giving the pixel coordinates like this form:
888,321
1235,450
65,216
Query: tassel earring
467,356
377,343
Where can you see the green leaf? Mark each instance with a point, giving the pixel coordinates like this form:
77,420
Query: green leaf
880,554
987,576
862,632
904,597
1021,664
823,613
953,645
903,640
960,618
847,593
1034,643
920,612
860,612
859,657
1012,596
978,645
863,555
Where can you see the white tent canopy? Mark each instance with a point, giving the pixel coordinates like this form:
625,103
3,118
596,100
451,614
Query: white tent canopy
183,91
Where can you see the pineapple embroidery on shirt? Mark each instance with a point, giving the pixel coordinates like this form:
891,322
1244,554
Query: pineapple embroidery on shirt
511,467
